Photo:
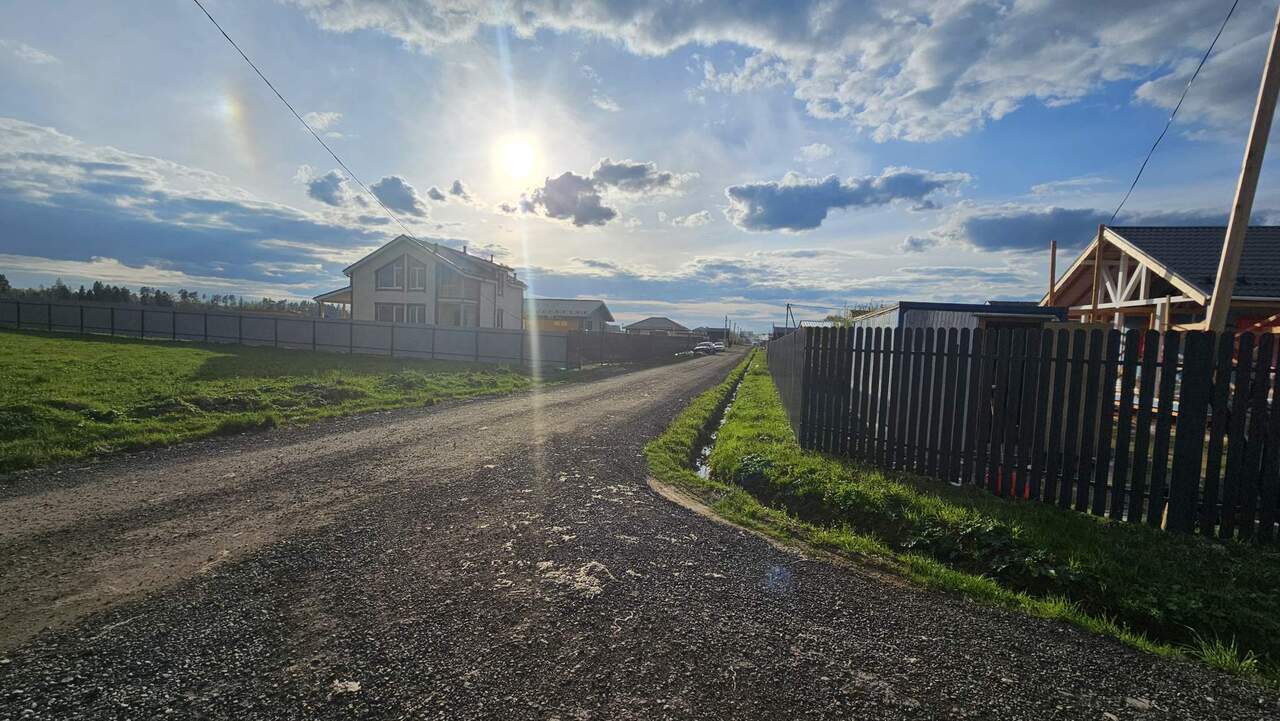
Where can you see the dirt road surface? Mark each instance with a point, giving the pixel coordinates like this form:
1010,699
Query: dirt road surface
500,559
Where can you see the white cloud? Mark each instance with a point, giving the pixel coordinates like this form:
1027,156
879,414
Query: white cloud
693,220
28,54
814,151
322,120
604,102
921,71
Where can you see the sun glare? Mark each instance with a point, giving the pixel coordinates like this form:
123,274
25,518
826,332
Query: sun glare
515,156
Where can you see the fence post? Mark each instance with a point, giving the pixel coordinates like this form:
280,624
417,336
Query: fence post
805,383
392,349
173,325
113,320
142,323
239,329
18,305
476,337
49,315
81,320
205,316
275,332
313,335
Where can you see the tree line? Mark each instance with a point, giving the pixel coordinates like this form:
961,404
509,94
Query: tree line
100,292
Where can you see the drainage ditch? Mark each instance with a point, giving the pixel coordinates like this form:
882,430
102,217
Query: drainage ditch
702,459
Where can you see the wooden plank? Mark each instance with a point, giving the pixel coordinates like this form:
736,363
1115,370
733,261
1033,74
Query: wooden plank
1040,426
1027,413
1188,447
916,405
1089,420
821,382
1057,416
1106,419
1124,424
853,428
937,362
1233,476
828,388
866,401
871,443
1007,404
970,360
1257,431
1220,416
1157,489
1142,429
845,380
807,392
1270,479
885,361
982,408
897,384
951,405
924,435
1071,436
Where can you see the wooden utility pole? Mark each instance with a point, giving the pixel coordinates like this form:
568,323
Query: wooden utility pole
1229,264
1053,269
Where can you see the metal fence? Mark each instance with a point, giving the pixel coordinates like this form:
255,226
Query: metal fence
1175,430
483,345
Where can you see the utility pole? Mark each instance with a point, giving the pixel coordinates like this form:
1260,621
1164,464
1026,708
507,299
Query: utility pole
1238,225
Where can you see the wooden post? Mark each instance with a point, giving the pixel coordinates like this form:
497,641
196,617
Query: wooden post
81,320
1238,225
1097,274
49,315
1053,269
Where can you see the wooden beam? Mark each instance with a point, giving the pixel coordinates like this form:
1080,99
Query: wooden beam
1242,207
1097,273
1053,268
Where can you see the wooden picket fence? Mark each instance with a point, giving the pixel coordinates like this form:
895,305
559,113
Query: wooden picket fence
1176,430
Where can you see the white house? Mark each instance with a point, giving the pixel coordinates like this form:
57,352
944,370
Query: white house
418,282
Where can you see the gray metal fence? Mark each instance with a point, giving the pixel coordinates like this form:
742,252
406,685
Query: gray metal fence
483,345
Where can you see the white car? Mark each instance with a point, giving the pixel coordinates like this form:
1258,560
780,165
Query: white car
707,348
719,346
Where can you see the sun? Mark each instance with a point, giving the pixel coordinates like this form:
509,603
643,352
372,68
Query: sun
515,156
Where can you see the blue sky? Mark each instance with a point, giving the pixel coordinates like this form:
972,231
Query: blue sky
689,160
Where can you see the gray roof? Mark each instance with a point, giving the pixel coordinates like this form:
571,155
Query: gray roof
567,307
1192,252
656,322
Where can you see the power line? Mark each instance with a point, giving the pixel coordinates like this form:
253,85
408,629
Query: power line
306,125
1169,122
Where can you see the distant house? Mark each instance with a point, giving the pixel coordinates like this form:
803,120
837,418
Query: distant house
658,325
712,334
1152,277
423,283
994,314
565,314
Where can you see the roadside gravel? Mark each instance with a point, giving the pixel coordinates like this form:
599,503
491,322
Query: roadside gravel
499,559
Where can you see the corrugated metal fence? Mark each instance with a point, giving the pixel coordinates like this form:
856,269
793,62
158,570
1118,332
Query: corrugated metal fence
484,345
1176,430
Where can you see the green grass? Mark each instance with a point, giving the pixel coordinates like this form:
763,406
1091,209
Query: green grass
66,397
1167,594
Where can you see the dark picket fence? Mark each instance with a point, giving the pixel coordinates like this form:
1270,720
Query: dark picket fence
1175,430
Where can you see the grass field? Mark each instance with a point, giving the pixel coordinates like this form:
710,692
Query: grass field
68,397
1164,593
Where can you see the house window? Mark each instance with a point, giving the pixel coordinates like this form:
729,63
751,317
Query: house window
450,284
497,317
587,324
391,275
416,313
417,275
388,312
449,313
502,283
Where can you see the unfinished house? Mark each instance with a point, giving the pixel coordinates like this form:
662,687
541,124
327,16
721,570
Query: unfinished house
1157,278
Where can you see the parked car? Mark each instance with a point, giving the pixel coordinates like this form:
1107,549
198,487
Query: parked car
719,346
706,348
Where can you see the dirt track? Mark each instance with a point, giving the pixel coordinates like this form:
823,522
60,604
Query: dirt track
498,559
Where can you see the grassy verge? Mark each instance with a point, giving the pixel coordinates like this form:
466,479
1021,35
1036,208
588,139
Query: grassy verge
1165,594
66,397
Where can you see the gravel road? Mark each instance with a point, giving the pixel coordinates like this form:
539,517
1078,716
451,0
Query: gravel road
501,559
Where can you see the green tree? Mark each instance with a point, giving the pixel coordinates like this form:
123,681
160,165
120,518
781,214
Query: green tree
4,284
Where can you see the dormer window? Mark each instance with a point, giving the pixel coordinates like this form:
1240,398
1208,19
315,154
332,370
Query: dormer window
417,275
391,275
